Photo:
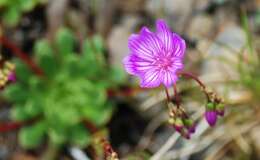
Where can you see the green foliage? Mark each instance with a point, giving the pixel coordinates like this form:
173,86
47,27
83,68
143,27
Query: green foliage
13,9
249,63
72,90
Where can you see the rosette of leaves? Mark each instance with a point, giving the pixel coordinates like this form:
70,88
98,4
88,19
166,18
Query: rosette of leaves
72,90
12,10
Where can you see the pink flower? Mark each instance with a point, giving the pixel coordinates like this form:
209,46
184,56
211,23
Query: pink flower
155,57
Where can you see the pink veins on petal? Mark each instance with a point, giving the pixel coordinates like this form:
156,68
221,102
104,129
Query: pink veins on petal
155,57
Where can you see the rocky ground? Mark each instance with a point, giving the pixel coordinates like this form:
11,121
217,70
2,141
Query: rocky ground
213,30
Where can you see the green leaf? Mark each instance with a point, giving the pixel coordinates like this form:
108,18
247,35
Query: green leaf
3,3
79,136
15,93
65,42
98,43
33,108
58,135
117,75
11,16
31,137
45,57
73,66
23,73
88,58
95,93
36,84
69,116
18,113
98,117
27,5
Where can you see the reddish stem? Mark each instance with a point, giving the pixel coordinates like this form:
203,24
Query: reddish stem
23,56
167,95
9,126
190,75
90,126
177,97
108,150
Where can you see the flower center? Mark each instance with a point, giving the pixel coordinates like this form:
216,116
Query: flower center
163,62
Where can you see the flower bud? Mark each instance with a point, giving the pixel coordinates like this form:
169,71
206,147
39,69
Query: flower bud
178,125
192,128
220,109
190,125
171,121
12,77
210,106
211,117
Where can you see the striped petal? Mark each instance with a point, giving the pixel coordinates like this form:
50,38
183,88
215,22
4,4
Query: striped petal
145,45
151,79
129,65
169,78
165,35
179,46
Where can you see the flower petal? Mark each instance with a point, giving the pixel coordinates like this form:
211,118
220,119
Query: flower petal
177,64
165,34
136,66
179,46
169,78
145,45
129,65
151,79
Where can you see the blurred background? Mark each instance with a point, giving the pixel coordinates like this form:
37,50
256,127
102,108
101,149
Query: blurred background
71,89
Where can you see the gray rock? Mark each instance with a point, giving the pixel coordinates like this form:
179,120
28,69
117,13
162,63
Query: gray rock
118,40
201,26
223,53
3,152
175,11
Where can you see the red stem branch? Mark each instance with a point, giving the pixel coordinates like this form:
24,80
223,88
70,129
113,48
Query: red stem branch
10,126
167,95
20,54
177,97
192,76
90,126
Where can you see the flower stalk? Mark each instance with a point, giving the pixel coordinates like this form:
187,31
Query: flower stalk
110,154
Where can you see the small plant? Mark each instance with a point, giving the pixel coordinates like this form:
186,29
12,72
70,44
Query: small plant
71,92
13,9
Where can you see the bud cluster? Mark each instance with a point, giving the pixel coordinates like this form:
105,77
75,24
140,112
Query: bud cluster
110,154
180,121
214,107
7,73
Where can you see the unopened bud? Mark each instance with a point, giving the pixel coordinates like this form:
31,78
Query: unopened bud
211,117
220,109
210,106
178,125
171,121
